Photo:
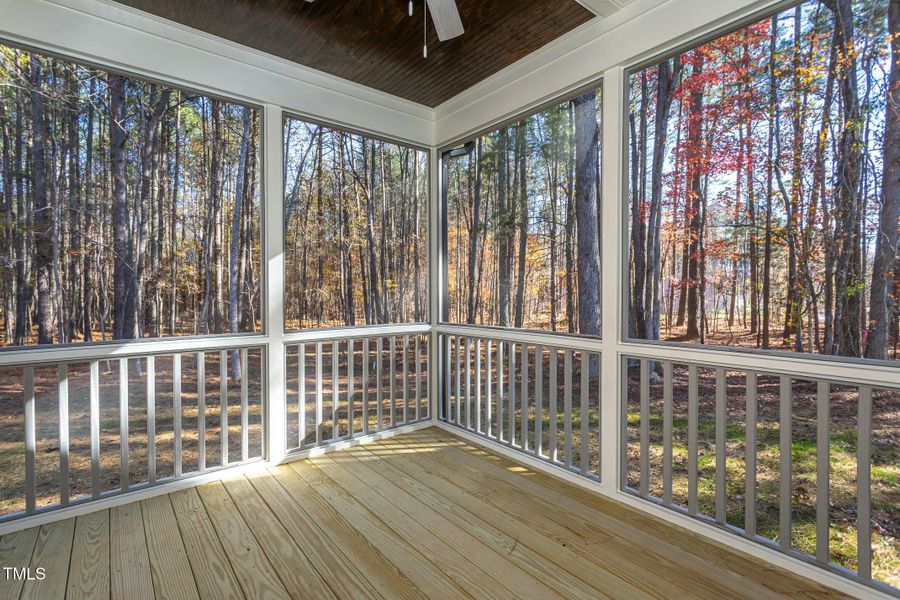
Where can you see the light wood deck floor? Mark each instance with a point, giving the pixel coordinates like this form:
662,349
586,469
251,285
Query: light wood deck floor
422,515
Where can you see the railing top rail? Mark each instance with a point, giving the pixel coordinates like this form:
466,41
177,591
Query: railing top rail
812,368
551,339
346,333
113,350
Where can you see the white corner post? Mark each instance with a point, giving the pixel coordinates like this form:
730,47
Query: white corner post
612,252
435,285
273,249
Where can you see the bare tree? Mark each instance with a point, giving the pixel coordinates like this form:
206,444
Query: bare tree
881,303
586,173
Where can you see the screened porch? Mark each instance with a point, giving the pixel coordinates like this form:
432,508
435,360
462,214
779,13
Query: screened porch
575,299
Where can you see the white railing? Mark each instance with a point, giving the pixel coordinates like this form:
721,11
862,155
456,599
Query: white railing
354,385
782,459
539,398
82,428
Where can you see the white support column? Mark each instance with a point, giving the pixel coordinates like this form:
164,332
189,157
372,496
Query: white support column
435,285
273,209
612,246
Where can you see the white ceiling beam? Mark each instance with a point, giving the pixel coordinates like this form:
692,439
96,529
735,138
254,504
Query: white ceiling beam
638,31
106,33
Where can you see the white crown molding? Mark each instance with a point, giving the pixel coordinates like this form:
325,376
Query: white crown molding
637,31
107,33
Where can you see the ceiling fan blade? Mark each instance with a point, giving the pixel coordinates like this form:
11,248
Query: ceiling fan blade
446,18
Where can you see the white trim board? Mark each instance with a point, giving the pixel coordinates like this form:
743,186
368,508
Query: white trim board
637,31
812,366
731,540
106,33
425,423
114,350
194,481
144,493
111,34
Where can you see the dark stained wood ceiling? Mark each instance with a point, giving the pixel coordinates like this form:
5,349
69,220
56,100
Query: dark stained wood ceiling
375,42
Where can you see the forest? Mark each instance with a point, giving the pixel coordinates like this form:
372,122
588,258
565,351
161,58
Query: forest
764,176
128,209
523,223
355,229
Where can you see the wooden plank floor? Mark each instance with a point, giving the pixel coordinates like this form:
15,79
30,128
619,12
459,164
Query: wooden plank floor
422,515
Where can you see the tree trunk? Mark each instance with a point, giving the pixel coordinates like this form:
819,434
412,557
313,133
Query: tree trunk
349,307
374,294
849,282
173,225
554,199
521,161
148,156
23,291
753,237
767,243
736,225
570,225
210,219
12,218
475,234
666,83
882,295
505,233
44,222
693,213
586,173
793,303
233,303
638,269
88,276
70,319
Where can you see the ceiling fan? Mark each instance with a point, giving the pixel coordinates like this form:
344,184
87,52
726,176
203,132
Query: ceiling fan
445,15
